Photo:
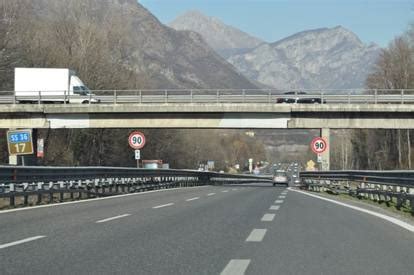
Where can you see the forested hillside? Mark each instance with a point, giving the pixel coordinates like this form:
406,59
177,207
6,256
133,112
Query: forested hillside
382,149
116,44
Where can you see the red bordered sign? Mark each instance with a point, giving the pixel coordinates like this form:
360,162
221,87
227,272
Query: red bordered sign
319,145
136,140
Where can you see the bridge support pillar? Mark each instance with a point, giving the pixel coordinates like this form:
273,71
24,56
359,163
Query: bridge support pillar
326,134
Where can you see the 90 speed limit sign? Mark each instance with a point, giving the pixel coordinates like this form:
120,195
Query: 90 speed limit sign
136,140
319,145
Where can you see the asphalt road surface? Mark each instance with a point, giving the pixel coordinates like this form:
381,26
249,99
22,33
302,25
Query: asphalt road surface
251,229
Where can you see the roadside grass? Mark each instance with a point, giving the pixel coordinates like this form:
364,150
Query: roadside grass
390,206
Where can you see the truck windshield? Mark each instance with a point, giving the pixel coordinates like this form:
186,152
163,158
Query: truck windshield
81,90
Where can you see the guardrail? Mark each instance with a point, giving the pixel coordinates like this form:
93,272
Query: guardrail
380,186
218,96
90,182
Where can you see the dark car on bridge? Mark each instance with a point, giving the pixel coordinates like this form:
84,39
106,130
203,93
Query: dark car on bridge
299,97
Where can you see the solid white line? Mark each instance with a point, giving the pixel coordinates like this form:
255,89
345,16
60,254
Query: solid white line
395,221
274,207
235,267
268,217
21,241
193,199
95,199
225,191
163,205
256,235
113,218
278,201
211,194
282,197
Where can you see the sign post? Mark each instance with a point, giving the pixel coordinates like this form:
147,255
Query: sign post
40,147
319,146
250,165
136,141
137,154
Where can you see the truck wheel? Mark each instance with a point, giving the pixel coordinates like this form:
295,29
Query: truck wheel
85,102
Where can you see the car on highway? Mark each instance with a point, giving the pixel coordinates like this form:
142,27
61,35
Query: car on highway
280,177
299,97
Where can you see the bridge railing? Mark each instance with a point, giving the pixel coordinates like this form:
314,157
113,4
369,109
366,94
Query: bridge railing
381,186
32,184
219,96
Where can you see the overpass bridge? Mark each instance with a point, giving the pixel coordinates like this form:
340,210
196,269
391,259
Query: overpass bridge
230,109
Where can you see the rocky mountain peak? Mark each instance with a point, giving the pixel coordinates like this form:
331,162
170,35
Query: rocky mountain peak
326,58
216,33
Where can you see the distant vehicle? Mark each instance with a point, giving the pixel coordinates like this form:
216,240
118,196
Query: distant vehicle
152,164
297,182
280,177
294,98
50,85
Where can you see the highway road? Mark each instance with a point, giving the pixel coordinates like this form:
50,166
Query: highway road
251,229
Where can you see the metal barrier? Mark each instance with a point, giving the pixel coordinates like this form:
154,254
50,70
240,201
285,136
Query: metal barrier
90,182
380,186
219,96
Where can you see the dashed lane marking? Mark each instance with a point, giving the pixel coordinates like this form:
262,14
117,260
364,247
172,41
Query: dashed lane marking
268,217
256,235
274,207
21,241
236,267
163,205
282,197
113,218
96,199
225,191
193,199
278,201
211,194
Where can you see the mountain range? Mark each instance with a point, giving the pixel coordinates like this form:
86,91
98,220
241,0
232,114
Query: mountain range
112,44
325,58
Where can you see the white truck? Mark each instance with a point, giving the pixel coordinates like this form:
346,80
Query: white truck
50,85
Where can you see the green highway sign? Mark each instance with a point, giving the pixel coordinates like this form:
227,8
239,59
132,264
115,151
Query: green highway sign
20,142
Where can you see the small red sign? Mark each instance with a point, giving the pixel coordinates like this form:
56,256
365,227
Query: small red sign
136,140
318,145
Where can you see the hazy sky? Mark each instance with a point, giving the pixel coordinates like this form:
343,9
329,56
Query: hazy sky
376,21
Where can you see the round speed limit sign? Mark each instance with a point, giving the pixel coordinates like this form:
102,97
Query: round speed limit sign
136,140
318,145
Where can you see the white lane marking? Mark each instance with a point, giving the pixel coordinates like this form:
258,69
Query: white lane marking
96,199
113,218
236,267
268,217
395,221
274,207
282,197
234,189
211,194
193,199
278,201
256,235
21,241
225,191
163,205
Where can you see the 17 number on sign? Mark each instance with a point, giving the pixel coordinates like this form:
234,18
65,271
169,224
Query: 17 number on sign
20,147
